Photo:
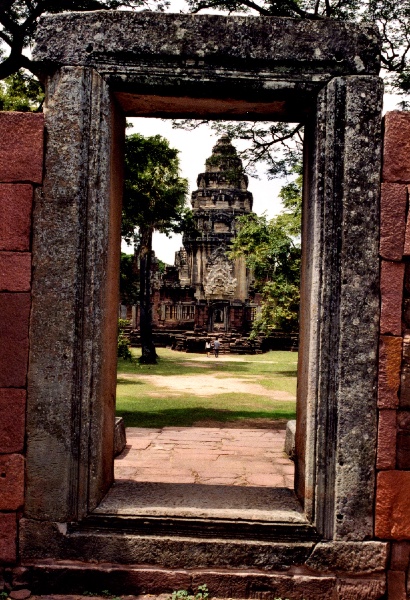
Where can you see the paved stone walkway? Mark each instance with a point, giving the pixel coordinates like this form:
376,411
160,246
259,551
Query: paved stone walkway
206,455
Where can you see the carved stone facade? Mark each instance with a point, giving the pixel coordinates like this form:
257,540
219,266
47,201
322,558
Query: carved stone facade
205,290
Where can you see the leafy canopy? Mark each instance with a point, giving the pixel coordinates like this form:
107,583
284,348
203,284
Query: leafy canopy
154,192
272,251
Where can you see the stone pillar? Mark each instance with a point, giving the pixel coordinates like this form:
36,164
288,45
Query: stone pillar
77,239
336,434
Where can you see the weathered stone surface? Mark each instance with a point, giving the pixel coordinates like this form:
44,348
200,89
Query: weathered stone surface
358,589
120,438
405,372
396,585
76,39
77,233
393,221
15,271
400,556
15,312
8,538
352,557
52,540
20,594
393,505
386,440
11,481
390,354
15,216
12,420
396,161
403,439
21,152
290,439
391,289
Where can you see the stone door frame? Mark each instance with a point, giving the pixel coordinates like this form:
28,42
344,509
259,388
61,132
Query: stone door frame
100,67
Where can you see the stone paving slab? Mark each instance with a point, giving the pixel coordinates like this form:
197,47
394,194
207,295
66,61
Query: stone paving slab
206,455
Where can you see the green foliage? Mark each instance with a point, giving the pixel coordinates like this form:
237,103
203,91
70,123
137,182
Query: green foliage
273,253
22,92
202,594
129,280
154,192
123,343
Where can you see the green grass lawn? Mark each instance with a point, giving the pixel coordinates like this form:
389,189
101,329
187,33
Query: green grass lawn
144,403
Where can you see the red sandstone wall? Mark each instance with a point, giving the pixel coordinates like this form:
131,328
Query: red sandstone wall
21,159
21,165
393,456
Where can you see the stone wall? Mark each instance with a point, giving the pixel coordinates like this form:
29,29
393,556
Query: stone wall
393,453
21,167
21,164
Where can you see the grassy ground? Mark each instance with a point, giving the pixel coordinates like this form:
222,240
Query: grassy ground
144,403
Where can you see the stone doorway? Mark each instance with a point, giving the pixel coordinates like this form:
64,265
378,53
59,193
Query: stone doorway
219,317
100,68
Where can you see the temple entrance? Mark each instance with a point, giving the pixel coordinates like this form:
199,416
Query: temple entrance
218,317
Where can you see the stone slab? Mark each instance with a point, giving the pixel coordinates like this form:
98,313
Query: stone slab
15,312
15,271
206,40
386,440
21,150
396,585
15,216
196,500
391,289
403,439
11,481
12,420
120,438
8,538
393,221
396,152
393,505
290,439
352,557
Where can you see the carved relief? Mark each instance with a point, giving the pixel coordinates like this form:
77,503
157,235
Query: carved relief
219,282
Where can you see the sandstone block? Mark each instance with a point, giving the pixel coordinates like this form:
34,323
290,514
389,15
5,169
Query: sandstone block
354,557
358,589
11,481
15,271
391,289
386,440
8,538
400,556
405,387
403,439
393,505
15,216
390,355
21,151
20,594
396,585
15,312
393,221
12,420
396,154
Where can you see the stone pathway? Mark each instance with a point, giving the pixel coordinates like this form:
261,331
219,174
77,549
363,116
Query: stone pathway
206,455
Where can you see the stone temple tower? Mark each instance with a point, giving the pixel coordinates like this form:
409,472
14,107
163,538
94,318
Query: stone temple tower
222,196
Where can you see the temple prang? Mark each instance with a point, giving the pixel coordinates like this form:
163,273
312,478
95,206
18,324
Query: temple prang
206,291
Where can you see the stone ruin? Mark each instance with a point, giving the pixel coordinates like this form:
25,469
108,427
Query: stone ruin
59,300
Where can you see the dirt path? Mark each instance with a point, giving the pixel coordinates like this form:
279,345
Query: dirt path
209,385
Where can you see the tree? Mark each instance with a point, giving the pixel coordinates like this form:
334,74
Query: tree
21,91
272,251
19,19
154,199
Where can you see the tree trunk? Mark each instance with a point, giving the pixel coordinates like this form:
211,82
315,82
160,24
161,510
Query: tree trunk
148,353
